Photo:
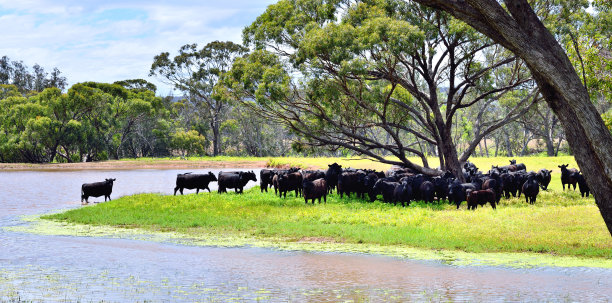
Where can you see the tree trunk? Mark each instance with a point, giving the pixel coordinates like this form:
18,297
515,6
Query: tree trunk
215,128
550,147
558,146
451,159
508,145
519,29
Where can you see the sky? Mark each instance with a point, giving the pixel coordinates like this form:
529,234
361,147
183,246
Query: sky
111,40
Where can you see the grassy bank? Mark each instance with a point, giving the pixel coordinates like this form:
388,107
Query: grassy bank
560,224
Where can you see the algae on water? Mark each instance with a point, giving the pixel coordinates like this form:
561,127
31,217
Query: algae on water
456,258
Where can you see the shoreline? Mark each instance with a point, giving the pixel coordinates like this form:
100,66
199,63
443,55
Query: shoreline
133,164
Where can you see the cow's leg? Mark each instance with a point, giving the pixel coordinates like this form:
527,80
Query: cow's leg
197,190
175,189
181,191
207,188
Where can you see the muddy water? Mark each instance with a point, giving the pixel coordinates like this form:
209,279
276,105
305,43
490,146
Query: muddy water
56,268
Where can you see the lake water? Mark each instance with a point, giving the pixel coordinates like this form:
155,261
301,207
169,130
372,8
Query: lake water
63,268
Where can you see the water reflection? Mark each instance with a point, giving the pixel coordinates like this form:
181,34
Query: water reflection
46,268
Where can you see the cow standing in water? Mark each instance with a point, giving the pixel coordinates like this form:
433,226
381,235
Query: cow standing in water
97,189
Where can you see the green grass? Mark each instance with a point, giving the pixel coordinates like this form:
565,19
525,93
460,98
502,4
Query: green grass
558,224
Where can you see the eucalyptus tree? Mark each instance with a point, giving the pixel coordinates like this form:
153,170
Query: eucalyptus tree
517,27
18,74
367,76
195,72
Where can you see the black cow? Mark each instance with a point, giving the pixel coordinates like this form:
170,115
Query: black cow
403,194
369,182
352,182
566,176
480,197
191,181
520,178
519,166
427,191
508,185
456,193
315,190
97,189
277,172
265,179
544,178
386,189
494,183
289,182
334,170
582,185
311,175
531,188
235,180
441,187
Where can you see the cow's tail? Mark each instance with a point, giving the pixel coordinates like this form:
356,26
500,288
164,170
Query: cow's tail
82,194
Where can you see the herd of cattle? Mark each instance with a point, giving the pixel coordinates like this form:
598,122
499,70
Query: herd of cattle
394,186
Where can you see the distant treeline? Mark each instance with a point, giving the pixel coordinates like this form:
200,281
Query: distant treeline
99,121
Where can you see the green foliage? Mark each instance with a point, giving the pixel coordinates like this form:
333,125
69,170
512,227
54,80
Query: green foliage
90,121
188,143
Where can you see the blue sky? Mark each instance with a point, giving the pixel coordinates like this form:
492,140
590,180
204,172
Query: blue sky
114,40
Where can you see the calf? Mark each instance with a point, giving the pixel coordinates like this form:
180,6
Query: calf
566,176
235,180
480,197
97,189
582,185
543,177
531,188
315,190
191,181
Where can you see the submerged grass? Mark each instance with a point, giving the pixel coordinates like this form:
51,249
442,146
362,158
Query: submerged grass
559,224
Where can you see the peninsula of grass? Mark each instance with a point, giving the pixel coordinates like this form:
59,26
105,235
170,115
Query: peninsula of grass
559,224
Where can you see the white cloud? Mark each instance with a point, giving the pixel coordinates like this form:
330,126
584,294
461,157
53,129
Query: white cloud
88,45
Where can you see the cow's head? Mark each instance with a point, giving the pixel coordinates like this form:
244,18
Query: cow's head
212,176
110,181
251,176
563,166
513,162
